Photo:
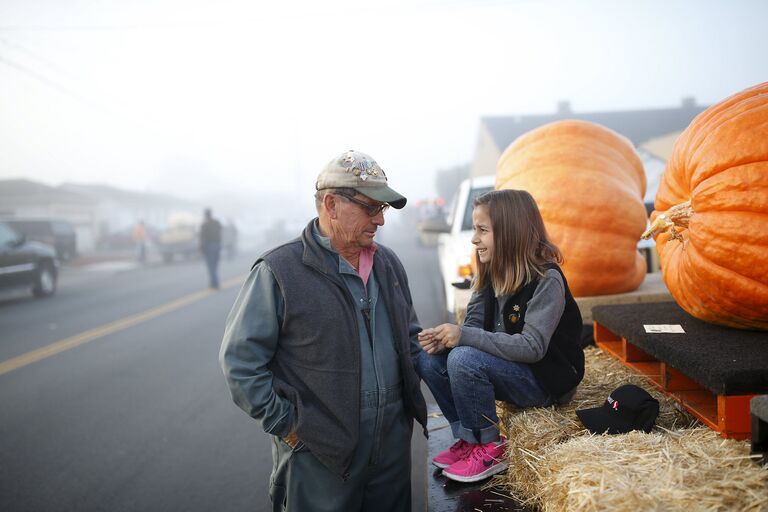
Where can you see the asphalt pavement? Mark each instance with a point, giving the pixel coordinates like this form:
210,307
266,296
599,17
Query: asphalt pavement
112,398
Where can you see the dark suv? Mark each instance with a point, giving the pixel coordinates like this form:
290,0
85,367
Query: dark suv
26,263
59,234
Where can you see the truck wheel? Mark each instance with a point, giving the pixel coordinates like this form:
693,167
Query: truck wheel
45,281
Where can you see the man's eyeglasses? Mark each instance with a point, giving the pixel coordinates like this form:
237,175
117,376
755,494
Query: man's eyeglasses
371,209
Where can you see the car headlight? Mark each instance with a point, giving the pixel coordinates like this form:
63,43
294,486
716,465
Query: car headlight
464,271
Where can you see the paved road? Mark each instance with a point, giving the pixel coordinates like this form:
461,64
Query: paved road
111,397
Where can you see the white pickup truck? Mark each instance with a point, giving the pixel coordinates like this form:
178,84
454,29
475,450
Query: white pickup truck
454,246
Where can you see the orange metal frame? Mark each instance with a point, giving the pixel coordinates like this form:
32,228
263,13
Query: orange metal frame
726,414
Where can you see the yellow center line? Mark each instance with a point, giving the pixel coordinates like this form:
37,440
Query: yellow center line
99,332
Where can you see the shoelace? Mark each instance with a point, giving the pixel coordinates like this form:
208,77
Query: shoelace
479,454
460,447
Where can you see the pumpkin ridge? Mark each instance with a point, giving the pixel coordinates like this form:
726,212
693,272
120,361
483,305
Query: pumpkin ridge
574,135
582,180
709,274
708,126
710,118
573,221
695,285
571,230
729,127
735,210
726,225
716,245
670,193
713,170
700,171
750,178
699,278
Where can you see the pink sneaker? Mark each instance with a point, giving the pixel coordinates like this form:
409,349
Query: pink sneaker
454,454
484,460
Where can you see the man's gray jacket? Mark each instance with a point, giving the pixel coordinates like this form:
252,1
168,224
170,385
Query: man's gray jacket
316,364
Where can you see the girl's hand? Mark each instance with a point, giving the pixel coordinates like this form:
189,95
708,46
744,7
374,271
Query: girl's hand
447,335
429,343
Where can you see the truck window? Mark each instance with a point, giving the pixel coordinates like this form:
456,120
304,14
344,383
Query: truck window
473,194
452,208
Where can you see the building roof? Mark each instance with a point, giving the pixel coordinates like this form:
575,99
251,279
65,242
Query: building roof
661,146
22,192
26,191
638,126
106,192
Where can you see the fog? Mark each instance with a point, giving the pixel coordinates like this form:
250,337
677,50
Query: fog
237,104
127,118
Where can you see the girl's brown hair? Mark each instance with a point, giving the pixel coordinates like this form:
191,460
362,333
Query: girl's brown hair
521,247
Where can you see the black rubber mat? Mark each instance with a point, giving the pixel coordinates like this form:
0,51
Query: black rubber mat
724,360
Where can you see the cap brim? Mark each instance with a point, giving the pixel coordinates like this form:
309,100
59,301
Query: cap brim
600,421
385,195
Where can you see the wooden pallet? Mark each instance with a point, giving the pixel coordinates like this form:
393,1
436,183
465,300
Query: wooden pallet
729,415
759,410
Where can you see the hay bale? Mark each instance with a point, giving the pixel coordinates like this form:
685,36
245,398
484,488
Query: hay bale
691,469
540,465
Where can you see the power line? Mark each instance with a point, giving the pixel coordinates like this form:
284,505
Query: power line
47,81
71,93
32,54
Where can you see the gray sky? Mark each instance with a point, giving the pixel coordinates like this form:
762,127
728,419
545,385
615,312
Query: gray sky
242,96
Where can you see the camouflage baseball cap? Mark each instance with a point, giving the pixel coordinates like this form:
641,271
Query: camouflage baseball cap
353,169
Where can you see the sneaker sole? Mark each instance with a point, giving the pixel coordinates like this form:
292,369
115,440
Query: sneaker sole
498,468
440,465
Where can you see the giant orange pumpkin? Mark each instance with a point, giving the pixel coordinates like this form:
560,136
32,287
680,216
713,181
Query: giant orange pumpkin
711,218
589,184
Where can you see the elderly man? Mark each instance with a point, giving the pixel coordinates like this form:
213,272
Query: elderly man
319,348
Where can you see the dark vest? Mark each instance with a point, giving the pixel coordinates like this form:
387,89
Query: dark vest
562,367
317,363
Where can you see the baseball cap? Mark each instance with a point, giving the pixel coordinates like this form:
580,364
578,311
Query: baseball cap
627,408
354,169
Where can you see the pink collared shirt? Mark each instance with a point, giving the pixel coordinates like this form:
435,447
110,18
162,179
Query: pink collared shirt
365,264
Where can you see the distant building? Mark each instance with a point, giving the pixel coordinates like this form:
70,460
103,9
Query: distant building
120,209
96,211
651,130
28,199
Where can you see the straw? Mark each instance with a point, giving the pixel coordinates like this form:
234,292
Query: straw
556,464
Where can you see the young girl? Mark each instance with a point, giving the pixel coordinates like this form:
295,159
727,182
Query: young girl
520,341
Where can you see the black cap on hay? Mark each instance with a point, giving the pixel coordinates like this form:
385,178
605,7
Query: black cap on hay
627,408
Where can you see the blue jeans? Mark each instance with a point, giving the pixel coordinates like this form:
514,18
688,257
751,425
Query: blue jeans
211,253
466,382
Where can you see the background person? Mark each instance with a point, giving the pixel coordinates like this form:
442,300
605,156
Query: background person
520,341
139,235
319,348
210,246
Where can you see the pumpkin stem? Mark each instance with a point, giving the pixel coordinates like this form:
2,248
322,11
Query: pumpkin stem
676,217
